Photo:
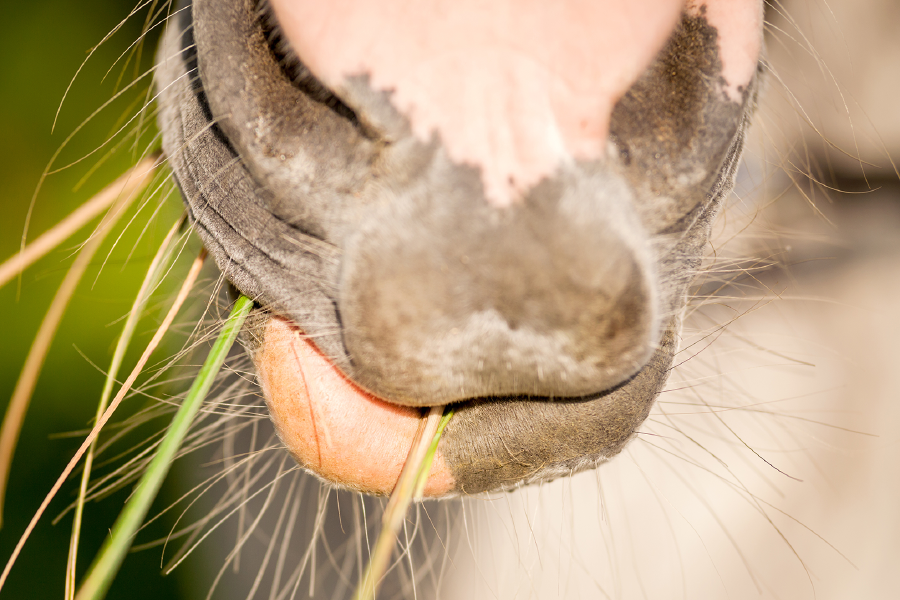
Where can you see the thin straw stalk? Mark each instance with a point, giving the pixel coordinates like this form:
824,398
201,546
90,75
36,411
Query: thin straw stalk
122,193
112,553
152,279
410,484
125,186
425,469
186,287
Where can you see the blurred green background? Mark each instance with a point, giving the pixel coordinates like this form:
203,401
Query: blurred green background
42,44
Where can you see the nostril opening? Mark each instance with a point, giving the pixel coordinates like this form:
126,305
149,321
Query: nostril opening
301,77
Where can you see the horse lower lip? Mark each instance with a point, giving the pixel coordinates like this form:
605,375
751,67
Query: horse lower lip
332,427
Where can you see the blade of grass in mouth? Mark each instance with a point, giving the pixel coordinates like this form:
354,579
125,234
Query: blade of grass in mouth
410,486
111,555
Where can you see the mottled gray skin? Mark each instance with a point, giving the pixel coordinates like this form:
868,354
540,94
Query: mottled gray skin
553,323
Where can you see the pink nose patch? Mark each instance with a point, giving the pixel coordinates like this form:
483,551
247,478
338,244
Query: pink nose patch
514,87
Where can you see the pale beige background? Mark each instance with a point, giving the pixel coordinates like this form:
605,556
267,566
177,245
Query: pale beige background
808,377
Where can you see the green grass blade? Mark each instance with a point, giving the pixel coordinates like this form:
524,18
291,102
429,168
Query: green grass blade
107,563
425,468
410,484
151,280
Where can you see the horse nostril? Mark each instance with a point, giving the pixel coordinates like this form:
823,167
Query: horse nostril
530,300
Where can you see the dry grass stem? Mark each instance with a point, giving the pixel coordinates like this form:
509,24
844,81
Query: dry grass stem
125,186
152,279
412,477
120,193
157,337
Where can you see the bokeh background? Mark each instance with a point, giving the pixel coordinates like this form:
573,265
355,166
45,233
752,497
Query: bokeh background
838,262
42,45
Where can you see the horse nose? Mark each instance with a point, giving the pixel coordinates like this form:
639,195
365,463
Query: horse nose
446,298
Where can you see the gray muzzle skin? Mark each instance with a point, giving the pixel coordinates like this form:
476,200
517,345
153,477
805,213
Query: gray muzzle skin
552,322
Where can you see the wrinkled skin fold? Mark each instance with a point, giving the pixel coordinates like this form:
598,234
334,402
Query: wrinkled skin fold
551,322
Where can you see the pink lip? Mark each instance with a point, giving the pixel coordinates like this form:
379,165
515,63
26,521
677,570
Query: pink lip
332,427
